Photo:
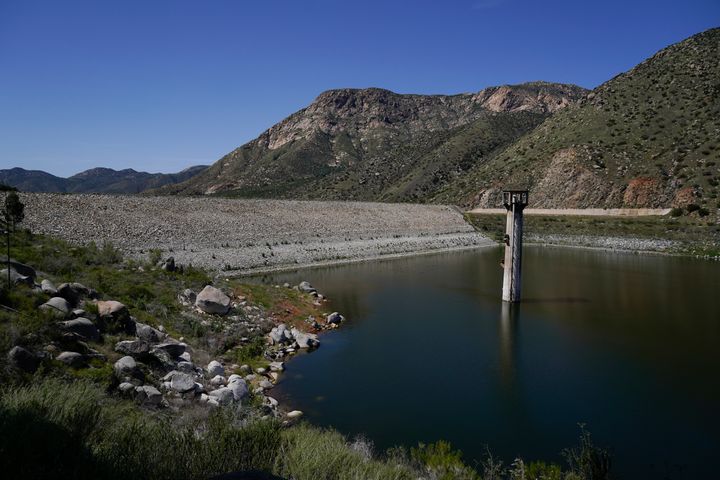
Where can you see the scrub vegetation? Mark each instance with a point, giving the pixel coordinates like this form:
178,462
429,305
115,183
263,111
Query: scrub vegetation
63,422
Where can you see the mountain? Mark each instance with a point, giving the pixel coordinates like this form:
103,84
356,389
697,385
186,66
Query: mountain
649,137
107,180
96,180
373,144
32,180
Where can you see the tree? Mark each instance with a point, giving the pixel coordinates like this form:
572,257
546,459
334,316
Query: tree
5,229
14,210
13,214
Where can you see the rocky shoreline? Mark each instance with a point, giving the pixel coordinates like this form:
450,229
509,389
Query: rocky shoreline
631,244
158,370
635,245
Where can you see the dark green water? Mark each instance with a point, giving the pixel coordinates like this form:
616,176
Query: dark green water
627,344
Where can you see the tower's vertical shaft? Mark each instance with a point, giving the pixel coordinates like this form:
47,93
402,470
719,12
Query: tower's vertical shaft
515,202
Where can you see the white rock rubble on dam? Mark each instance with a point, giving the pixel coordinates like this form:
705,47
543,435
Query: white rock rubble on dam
242,235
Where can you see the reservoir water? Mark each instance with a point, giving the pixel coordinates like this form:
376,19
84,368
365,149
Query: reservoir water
626,344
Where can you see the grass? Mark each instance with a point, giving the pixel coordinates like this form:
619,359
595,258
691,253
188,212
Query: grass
56,429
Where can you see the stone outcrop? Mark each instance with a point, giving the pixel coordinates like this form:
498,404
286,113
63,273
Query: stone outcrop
213,300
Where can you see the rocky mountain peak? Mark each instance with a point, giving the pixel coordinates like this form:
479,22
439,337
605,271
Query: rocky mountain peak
360,111
543,97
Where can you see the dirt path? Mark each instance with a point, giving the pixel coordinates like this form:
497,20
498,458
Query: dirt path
590,212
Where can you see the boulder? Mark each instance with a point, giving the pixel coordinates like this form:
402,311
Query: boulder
186,367
212,300
148,333
23,359
126,387
239,389
164,359
15,277
82,327
187,297
168,265
280,335
335,318
115,317
277,366
305,340
305,287
134,348
125,366
218,381
48,287
148,395
74,292
215,368
185,356
21,268
72,359
294,415
182,382
58,305
265,384
172,348
223,396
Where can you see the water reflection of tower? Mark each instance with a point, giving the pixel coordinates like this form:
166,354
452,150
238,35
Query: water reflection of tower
508,334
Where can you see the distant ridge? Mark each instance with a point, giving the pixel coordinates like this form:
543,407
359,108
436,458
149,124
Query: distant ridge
95,180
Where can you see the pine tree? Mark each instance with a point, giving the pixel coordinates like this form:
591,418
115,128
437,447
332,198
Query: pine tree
14,210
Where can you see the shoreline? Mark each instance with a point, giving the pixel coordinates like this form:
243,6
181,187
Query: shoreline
349,261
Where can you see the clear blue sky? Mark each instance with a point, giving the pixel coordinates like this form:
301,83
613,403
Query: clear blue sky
161,85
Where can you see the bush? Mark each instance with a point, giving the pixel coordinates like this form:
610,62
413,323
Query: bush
693,207
154,257
676,212
250,351
588,461
313,454
442,461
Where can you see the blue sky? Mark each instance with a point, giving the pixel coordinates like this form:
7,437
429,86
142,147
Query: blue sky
162,85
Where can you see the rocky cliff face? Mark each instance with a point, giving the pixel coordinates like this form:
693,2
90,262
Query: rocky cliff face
377,144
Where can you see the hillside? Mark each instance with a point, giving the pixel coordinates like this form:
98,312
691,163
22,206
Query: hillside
373,144
646,138
96,180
